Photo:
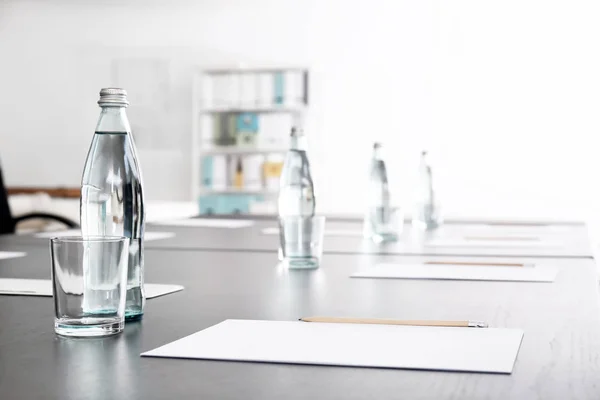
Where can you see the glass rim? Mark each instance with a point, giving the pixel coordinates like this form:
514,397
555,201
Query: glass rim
88,239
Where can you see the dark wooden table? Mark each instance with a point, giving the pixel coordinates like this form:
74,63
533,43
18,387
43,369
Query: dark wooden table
559,357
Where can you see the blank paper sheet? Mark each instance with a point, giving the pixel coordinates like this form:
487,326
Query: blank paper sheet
537,273
499,243
352,345
4,255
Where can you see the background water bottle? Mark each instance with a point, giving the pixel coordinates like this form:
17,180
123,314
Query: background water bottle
378,217
427,213
296,188
296,201
112,201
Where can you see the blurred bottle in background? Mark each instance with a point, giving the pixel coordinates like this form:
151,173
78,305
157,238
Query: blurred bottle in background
380,223
112,201
296,188
296,201
427,213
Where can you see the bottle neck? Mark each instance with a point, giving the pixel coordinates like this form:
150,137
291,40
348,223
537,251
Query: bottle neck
425,169
298,141
113,119
426,181
377,154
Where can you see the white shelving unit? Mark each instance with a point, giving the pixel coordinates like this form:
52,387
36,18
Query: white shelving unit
227,94
240,150
258,110
264,192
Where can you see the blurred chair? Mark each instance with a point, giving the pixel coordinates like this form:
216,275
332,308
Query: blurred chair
8,223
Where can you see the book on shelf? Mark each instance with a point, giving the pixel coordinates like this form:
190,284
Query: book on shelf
294,89
265,89
252,170
274,131
249,90
247,128
252,173
214,172
246,131
271,171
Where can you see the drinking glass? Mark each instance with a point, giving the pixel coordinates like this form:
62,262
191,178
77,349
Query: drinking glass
301,241
89,283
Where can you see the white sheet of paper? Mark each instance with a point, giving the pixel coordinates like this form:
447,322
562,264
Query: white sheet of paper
148,236
490,243
538,273
208,223
11,254
352,345
43,287
518,230
328,232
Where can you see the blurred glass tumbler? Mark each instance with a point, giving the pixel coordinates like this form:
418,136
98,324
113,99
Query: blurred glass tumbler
383,226
89,283
301,241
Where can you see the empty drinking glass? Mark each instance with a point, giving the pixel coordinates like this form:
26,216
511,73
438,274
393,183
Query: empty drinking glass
89,282
301,241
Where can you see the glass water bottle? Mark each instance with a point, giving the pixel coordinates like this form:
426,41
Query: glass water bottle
296,201
427,212
296,188
112,201
380,218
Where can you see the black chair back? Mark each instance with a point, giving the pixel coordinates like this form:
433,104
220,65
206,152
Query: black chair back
7,222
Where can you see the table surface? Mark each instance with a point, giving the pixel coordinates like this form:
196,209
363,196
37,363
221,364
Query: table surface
558,358
572,237
573,240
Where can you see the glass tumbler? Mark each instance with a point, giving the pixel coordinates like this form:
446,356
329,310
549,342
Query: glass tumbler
89,283
301,241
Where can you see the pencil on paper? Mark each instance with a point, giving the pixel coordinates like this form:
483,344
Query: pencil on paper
377,321
490,264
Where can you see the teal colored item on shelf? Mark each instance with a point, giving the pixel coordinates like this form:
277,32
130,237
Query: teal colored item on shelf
209,204
278,88
227,203
235,204
247,129
207,171
247,122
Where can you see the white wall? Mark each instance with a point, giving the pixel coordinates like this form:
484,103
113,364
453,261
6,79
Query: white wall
504,94
56,55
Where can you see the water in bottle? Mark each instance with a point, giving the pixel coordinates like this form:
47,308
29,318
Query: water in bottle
112,201
379,223
426,215
296,201
296,189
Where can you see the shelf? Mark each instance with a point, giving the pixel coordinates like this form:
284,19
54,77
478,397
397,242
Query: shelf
265,192
240,150
256,110
244,70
